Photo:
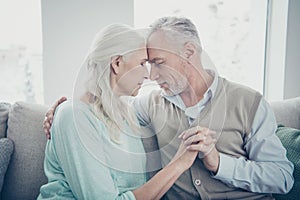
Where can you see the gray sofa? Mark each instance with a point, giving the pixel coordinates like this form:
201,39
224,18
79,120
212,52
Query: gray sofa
22,123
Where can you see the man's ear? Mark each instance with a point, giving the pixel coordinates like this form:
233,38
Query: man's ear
189,50
115,63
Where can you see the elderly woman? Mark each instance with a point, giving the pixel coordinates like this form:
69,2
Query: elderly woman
95,151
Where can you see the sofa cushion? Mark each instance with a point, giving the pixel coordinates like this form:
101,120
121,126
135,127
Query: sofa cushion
4,109
287,112
290,139
6,149
25,173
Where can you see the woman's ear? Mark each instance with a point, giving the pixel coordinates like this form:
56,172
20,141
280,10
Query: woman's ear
115,64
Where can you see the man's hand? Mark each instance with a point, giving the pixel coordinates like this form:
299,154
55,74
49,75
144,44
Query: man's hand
203,140
49,116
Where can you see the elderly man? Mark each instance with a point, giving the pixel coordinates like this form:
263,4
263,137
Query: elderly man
239,158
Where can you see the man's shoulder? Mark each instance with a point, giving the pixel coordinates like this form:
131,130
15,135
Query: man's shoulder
238,90
240,96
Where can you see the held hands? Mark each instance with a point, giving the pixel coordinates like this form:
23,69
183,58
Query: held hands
202,140
49,116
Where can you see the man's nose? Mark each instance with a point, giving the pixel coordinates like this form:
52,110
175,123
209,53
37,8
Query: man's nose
153,72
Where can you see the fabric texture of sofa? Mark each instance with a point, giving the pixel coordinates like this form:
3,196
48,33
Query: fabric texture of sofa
21,123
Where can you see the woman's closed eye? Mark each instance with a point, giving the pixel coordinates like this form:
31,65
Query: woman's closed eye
143,63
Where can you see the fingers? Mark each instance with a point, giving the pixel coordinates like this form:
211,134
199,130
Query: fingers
51,111
199,139
49,116
191,132
197,130
59,101
47,123
48,119
195,139
46,126
47,132
204,146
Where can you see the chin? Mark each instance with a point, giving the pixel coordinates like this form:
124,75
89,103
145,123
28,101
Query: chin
135,92
168,92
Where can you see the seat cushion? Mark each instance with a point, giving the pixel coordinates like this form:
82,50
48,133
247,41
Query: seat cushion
290,139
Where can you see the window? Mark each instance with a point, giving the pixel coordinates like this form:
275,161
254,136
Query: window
21,51
232,32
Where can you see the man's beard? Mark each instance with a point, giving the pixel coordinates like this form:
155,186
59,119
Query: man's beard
175,88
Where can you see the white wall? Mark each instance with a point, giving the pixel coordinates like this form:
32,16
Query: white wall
68,29
276,49
292,67
282,75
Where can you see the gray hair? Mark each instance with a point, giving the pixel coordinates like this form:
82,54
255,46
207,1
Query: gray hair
178,31
114,40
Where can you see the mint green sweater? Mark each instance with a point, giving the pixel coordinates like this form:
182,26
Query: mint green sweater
81,162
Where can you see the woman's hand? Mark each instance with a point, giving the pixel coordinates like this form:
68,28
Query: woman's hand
49,116
202,140
184,157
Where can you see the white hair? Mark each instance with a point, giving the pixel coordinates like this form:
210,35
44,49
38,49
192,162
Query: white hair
114,40
178,31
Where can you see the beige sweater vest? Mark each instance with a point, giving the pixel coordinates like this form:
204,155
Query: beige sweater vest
230,113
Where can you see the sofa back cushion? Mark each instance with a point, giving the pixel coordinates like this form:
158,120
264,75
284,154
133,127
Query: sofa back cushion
25,173
4,109
287,112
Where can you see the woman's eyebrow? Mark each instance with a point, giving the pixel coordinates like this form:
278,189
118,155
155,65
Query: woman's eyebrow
144,60
155,60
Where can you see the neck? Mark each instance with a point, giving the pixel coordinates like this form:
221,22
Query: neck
198,85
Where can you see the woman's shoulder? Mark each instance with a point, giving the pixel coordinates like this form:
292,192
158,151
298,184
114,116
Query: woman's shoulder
69,110
72,106
76,116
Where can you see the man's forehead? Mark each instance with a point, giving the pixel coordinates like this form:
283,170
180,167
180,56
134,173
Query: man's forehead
156,40
154,54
